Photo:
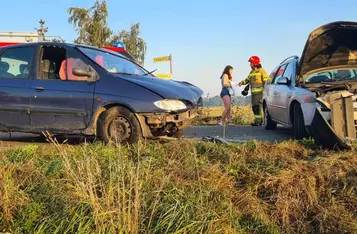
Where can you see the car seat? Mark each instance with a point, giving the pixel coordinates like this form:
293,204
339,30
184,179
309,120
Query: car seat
343,75
48,69
318,79
24,71
69,66
4,68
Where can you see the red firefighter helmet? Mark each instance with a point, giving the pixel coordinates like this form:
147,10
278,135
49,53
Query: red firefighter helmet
255,60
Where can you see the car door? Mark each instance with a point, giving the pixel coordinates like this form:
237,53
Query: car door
15,71
269,89
284,92
273,100
61,101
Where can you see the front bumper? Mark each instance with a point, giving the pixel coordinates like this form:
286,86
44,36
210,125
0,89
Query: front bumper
163,124
325,135
336,126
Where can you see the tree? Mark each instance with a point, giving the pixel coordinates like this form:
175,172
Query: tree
42,30
135,45
91,24
92,28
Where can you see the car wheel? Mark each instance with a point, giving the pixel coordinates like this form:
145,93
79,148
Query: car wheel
119,125
269,124
178,133
299,128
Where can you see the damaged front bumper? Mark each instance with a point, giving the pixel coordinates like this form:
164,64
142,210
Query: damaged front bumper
334,125
155,125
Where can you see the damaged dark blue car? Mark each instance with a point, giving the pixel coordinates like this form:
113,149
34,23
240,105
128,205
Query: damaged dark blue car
74,89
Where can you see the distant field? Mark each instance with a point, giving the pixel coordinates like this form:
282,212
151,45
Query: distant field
241,115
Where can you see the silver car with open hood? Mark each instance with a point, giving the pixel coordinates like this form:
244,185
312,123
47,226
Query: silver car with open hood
316,94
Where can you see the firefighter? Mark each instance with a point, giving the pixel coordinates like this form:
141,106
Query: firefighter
256,80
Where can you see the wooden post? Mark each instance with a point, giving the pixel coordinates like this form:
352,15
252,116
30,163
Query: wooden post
171,65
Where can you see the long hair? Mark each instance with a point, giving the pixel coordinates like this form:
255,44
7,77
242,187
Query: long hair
226,71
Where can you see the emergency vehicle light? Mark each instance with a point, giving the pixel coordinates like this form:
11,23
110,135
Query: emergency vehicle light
119,44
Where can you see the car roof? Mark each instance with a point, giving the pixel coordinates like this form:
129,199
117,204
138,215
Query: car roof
63,44
288,59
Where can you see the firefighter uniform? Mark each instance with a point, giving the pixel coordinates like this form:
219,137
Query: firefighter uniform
256,79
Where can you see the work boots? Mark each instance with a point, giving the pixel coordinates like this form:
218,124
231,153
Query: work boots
257,122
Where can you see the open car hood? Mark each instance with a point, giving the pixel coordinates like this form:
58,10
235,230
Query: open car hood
166,88
331,45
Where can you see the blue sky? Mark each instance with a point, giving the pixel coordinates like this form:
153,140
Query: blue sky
202,36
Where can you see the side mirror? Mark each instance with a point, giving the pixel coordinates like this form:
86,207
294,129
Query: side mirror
81,72
282,81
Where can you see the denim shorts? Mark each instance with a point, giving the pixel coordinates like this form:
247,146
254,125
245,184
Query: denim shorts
225,92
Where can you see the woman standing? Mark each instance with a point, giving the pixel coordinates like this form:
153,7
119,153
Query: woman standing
226,79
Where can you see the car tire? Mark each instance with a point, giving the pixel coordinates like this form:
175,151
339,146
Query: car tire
119,125
299,128
178,133
269,124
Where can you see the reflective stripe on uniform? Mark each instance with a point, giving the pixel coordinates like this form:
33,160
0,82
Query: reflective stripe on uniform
258,118
257,90
256,77
254,74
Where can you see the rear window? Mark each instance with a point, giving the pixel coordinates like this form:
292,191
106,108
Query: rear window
15,62
272,74
279,73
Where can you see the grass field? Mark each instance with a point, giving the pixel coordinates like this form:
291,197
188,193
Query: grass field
241,115
178,187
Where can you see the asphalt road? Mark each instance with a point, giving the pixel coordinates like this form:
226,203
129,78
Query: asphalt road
232,133
240,133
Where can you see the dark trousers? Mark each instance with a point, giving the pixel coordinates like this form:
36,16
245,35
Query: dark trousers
257,108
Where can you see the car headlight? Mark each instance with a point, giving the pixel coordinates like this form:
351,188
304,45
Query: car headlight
170,105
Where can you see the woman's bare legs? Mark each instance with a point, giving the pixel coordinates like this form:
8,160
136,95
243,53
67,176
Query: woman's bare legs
226,115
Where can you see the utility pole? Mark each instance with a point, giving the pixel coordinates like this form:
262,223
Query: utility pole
41,31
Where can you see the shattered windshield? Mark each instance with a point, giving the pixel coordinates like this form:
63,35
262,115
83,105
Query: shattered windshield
113,63
332,76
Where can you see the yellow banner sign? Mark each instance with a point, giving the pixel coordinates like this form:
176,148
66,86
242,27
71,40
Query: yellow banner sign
162,59
165,76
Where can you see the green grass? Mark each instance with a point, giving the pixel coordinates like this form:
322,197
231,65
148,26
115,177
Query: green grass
178,187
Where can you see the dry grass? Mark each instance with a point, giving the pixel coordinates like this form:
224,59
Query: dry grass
178,187
241,115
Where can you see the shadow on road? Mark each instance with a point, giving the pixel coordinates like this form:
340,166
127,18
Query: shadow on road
232,133
19,138
241,133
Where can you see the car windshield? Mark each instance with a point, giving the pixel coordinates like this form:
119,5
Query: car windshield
113,63
332,76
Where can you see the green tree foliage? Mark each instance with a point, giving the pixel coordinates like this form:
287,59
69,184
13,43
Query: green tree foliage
91,24
134,44
92,28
